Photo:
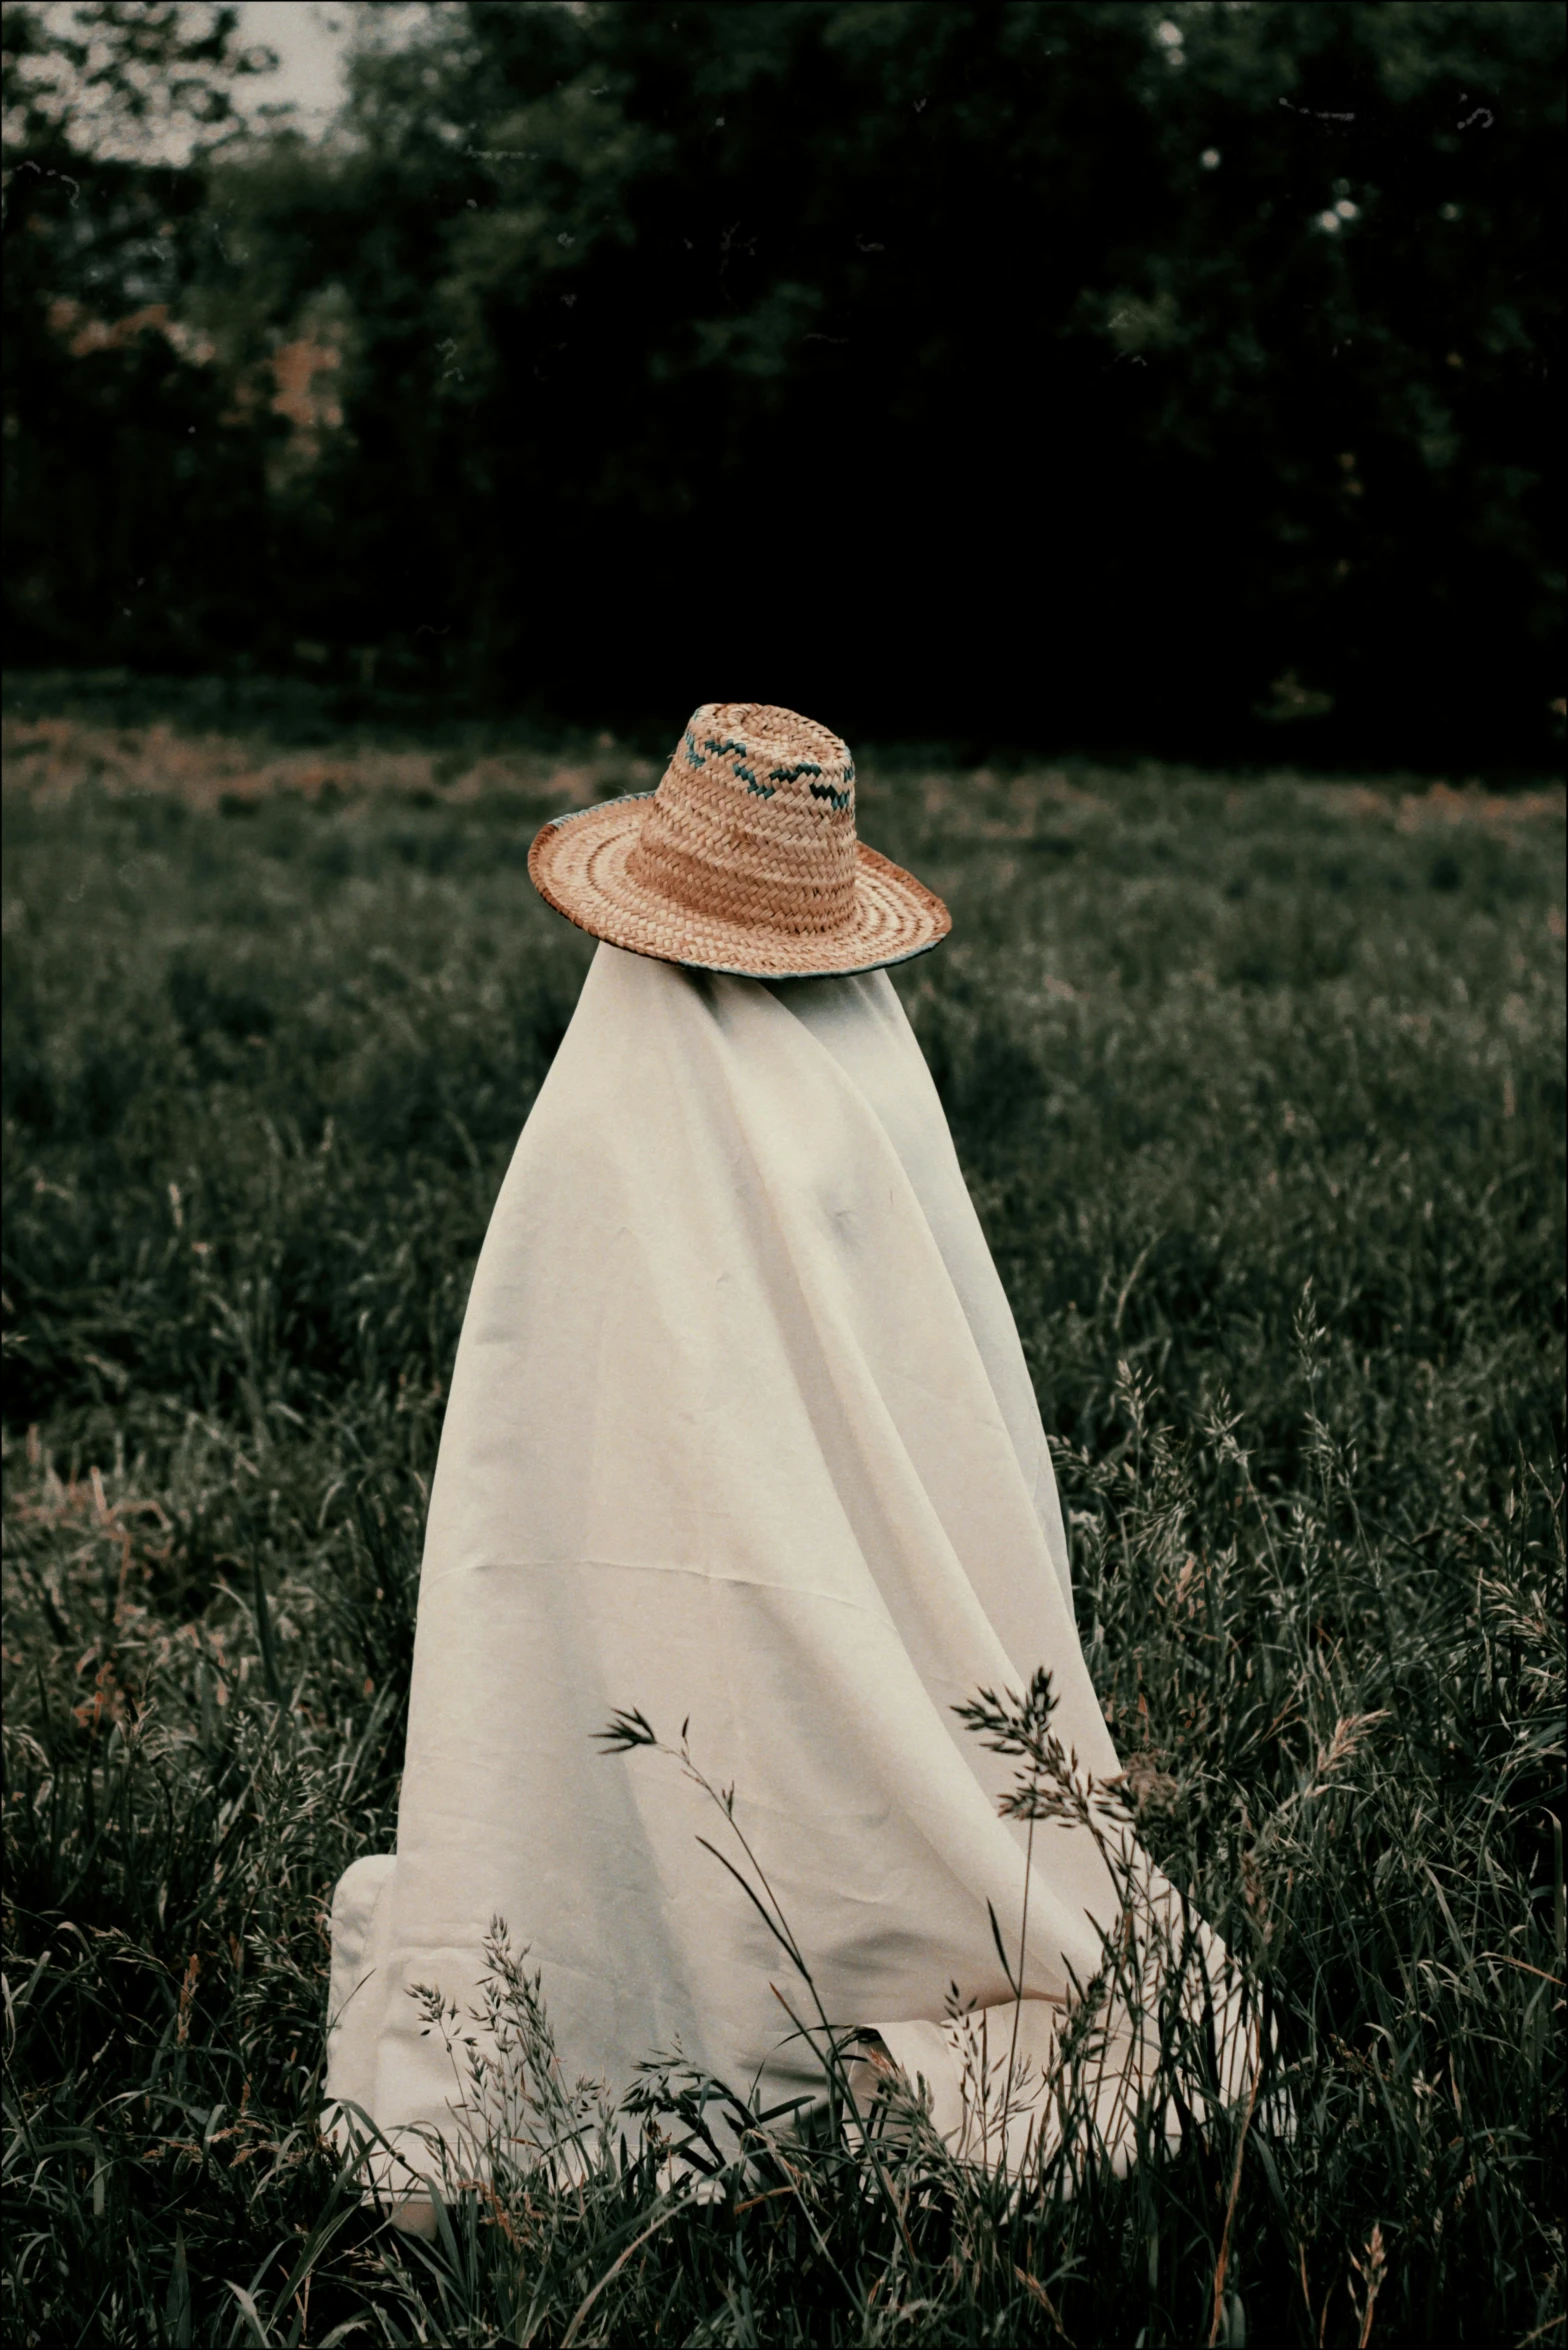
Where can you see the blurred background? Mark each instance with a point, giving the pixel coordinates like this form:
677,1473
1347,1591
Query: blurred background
1114,378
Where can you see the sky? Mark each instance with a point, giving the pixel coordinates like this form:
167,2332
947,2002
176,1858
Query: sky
310,38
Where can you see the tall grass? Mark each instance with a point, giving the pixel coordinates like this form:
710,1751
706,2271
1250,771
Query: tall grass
1259,1089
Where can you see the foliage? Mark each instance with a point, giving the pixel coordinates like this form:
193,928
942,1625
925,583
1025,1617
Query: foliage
100,78
1056,372
1259,1091
130,474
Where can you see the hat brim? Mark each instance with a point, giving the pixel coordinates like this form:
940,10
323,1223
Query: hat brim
578,864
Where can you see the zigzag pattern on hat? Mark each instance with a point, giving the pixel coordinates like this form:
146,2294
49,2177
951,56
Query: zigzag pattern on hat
722,869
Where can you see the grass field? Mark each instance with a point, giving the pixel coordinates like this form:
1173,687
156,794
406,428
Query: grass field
1259,1089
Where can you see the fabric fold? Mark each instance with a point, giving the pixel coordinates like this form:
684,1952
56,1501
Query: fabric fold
740,1434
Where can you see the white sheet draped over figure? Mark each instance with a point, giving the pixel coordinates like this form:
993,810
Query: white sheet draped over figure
740,1434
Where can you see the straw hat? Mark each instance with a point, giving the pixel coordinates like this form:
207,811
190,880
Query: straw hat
744,860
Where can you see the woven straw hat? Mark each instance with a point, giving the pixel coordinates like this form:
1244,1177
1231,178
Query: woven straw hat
744,860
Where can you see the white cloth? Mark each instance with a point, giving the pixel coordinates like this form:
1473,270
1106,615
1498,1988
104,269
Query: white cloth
740,1434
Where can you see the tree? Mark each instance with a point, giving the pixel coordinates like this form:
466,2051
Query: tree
1044,370
128,475
1038,362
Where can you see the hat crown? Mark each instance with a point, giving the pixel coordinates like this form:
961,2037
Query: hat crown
754,821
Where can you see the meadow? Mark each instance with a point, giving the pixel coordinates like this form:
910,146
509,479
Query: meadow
1258,1084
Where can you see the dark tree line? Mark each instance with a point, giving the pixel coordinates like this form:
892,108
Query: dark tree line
1173,379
